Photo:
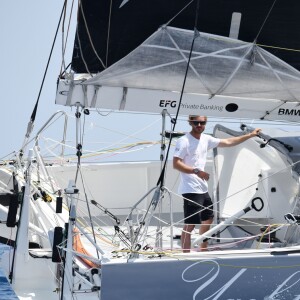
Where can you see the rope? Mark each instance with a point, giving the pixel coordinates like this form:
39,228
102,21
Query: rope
179,13
264,22
89,210
64,42
81,53
168,252
108,32
279,48
89,35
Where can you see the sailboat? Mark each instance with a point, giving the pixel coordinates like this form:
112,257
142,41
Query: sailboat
87,230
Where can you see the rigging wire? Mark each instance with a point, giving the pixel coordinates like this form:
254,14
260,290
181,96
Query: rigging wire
279,48
89,35
33,115
80,136
264,22
196,34
81,52
65,41
63,36
108,33
179,13
89,210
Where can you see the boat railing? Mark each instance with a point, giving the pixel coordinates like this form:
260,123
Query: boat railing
45,126
137,236
36,138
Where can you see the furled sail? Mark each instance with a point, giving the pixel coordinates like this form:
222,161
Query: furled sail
226,77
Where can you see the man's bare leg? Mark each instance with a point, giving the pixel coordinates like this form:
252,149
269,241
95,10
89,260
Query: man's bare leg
204,227
186,237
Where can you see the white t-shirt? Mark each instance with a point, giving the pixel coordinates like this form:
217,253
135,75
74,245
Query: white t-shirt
193,152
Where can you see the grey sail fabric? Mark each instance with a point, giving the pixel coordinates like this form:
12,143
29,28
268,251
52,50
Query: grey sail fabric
219,66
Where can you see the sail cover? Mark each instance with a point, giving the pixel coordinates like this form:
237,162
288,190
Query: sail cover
226,77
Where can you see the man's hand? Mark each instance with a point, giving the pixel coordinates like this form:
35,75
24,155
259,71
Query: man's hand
255,132
203,175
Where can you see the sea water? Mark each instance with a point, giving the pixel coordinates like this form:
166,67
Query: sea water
6,292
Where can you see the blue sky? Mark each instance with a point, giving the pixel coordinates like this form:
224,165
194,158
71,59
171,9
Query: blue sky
27,29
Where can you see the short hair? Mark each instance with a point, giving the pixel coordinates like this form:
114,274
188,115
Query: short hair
192,117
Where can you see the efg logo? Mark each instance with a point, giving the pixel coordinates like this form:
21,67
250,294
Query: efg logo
166,103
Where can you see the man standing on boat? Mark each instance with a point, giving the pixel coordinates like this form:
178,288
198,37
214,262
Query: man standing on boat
190,159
